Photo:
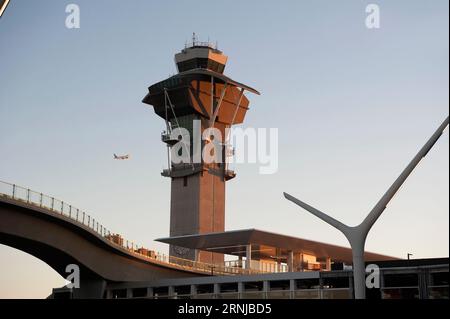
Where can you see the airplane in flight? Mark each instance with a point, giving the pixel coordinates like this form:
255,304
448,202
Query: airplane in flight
121,157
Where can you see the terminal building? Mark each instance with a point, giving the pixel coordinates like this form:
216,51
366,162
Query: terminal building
399,279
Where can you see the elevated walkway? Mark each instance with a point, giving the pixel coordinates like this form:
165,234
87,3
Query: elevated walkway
59,233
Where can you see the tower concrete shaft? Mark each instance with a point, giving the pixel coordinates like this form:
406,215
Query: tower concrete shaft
193,103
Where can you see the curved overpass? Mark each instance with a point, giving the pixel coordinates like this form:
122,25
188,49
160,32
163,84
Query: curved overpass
60,240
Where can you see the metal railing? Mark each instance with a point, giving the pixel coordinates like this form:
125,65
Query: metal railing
54,205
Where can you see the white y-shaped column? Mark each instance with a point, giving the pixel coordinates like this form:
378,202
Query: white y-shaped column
357,235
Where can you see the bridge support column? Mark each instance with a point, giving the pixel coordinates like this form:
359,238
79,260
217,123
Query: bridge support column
240,289
193,290
90,289
266,288
292,288
149,292
216,290
171,292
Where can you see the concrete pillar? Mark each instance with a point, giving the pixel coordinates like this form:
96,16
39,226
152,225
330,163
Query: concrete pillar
423,283
193,290
266,288
328,264
301,262
171,291
149,292
290,261
291,288
240,289
196,254
129,293
90,289
216,290
350,285
321,287
381,283
248,256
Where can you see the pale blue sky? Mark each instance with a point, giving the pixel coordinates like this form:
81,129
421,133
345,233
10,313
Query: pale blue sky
352,106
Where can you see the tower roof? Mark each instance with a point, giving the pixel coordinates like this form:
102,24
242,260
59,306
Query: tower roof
200,55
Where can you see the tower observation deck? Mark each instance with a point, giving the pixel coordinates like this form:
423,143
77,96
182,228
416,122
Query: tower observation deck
199,98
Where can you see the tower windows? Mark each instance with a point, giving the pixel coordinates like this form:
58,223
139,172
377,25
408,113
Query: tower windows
203,63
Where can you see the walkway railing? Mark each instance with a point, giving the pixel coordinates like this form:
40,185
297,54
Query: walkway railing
26,195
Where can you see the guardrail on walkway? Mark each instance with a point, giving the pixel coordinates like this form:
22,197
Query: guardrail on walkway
22,194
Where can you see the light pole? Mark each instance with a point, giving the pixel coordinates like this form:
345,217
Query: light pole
357,235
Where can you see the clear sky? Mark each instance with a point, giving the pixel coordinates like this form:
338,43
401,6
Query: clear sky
352,105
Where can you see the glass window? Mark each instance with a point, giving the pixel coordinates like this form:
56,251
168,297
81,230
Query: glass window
401,280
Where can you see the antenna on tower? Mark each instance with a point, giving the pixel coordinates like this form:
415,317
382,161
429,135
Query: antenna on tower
194,39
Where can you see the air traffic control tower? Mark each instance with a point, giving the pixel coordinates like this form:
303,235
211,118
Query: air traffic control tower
200,91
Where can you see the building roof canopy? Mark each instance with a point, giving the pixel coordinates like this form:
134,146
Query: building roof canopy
265,245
